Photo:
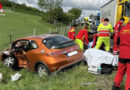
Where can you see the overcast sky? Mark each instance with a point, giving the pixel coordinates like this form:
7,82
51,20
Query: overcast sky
88,6
85,4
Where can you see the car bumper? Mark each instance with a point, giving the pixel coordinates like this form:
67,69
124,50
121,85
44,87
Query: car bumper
69,65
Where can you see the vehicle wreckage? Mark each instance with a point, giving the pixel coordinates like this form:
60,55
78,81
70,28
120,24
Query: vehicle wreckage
43,54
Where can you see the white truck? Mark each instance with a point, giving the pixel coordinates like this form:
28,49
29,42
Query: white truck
114,10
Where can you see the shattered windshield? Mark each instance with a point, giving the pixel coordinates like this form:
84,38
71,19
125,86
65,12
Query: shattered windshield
127,9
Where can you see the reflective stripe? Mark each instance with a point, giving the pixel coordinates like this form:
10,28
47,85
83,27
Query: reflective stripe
72,30
104,32
116,31
114,51
83,37
104,28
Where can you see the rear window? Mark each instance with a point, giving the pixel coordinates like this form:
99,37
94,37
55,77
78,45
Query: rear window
58,42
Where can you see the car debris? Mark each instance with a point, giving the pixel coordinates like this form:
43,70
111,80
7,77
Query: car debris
1,77
16,77
88,83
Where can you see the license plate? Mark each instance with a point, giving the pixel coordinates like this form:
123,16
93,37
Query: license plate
72,53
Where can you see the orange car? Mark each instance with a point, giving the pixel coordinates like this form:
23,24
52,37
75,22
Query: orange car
43,53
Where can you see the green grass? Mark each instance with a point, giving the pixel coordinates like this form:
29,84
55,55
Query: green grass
71,79
21,25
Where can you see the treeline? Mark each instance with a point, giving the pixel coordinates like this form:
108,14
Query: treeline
51,12
21,8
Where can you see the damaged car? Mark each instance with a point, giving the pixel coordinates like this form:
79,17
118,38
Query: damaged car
43,54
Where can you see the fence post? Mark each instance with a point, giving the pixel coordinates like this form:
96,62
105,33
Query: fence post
56,30
10,38
34,32
49,30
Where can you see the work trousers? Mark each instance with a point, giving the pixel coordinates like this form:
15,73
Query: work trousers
123,68
80,43
105,40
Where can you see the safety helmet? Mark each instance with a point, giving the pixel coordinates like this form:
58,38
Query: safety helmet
86,18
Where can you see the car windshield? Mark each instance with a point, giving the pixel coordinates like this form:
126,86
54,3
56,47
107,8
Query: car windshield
128,9
58,42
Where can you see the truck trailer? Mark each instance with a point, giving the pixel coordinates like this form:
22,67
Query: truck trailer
114,10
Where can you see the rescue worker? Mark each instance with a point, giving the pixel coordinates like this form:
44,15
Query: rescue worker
87,22
82,37
117,29
124,58
71,32
104,31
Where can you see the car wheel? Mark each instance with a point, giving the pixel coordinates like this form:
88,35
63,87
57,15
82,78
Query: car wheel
42,70
9,61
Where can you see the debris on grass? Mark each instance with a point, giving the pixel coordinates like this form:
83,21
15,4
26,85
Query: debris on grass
16,77
0,77
88,83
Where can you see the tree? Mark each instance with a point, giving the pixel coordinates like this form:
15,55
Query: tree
51,7
75,12
47,5
92,16
55,14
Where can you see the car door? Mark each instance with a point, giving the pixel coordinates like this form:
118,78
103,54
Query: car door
32,54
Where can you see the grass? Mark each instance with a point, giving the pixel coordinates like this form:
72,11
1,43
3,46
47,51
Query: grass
21,25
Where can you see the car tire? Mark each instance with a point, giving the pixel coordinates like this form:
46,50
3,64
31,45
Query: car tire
11,62
42,70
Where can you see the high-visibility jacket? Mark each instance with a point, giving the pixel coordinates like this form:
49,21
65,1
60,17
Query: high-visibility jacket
71,33
124,46
83,35
104,29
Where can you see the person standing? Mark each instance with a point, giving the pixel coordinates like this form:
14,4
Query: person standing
71,32
124,58
104,31
117,29
87,22
82,37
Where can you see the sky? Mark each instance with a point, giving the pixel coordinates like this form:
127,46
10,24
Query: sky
88,6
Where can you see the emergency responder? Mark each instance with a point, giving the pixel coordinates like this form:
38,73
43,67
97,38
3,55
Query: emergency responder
118,27
124,58
87,22
82,37
71,32
104,31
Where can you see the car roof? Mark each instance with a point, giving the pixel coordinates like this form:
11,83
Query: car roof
41,37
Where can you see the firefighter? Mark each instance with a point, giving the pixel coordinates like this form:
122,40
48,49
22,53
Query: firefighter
71,32
82,37
124,58
104,31
87,22
118,27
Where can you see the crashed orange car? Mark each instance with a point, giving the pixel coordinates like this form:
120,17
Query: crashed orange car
43,54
